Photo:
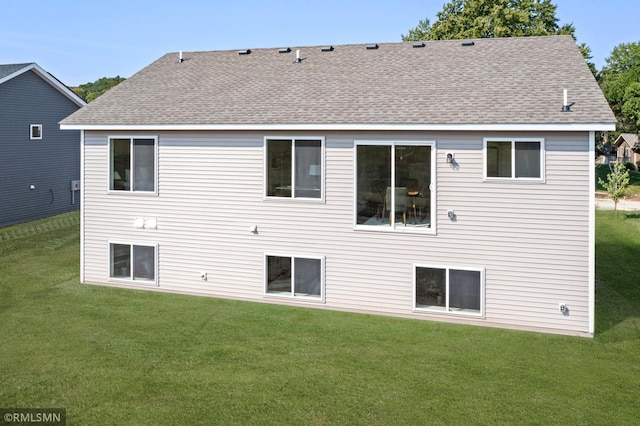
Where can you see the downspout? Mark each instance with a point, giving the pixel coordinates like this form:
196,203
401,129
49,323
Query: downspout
82,198
592,232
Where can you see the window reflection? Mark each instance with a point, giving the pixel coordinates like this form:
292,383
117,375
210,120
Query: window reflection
401,200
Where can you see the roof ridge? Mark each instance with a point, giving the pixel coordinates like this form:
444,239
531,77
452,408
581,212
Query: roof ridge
379,43
507,80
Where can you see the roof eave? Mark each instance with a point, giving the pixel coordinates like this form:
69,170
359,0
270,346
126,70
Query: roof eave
623,138
49,79
513,127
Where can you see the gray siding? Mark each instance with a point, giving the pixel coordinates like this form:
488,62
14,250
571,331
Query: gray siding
532,239
49,164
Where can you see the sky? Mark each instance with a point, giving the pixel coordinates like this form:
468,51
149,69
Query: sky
81,41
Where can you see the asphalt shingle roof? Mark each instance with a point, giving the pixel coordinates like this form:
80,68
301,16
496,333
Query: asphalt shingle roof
630,138
499,80
9,69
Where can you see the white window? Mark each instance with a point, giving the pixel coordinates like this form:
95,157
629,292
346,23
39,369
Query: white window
133,262
395,184
35,131
294,276
451,290
294,167
519,158
132,164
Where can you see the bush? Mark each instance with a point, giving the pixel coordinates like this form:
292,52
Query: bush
616,183
630,166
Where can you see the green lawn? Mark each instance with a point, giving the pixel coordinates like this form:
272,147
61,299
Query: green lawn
115,356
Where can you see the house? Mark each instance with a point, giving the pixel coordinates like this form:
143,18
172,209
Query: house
38,161
625,145
445,180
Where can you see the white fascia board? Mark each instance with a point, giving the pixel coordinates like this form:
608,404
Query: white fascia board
58,85
49,79
568,127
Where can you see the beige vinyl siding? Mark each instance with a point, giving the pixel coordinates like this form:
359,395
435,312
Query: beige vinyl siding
531,238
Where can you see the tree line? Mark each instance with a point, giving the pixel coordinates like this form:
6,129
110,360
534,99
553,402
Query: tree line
90,91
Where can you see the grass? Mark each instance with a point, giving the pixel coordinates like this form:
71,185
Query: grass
602,170
617,276
117,356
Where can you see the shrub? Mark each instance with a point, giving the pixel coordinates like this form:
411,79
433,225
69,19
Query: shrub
630,166
616,183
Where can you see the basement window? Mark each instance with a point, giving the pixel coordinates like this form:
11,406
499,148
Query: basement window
133,262
294,276
450,290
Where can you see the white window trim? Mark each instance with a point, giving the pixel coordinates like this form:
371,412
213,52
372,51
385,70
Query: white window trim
33,126
131,192
427,310
131,281
293,159
513,140
291,296
432,186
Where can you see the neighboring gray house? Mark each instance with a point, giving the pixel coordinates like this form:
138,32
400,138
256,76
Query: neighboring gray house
38,161
625,144
444,180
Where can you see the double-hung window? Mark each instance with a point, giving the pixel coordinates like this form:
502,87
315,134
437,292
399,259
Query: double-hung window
443,289
294,167
395,184
132,164
133,262
519,158
294,276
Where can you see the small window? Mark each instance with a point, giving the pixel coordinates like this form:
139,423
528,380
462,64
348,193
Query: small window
514,159
132,262
35,131
294,168
449,290
132,164
294,276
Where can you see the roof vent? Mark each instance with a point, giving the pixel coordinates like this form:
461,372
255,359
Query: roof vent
180,57
327,48
244,52
372,46
298,60
418,44
566,106
467,43
284,50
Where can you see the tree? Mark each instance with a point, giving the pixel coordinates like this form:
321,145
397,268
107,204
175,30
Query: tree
586,54
620,83
616,183
419,33
631,105
461,19
495,18
80,92
90,91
